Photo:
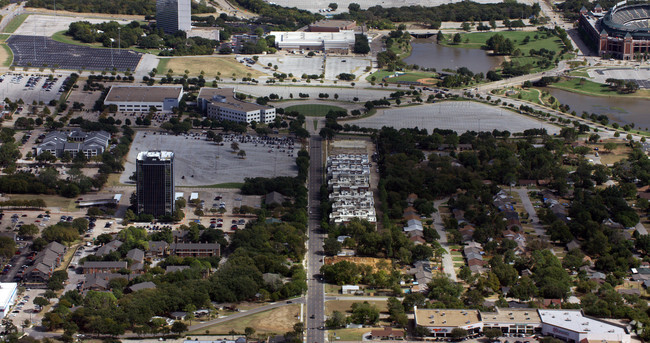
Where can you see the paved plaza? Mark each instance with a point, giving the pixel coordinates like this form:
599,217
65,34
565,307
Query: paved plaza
459,116
198,162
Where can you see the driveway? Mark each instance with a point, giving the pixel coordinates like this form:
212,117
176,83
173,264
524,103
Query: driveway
528,205
447,262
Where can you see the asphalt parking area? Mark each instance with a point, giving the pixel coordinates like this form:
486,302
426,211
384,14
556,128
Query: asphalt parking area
33,51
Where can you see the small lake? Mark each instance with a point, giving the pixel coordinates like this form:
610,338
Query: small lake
427,53
620,110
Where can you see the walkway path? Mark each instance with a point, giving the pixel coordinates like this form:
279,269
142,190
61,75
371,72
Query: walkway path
447,262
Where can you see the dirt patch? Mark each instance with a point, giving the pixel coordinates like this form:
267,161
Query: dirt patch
428,81
375,263
279,320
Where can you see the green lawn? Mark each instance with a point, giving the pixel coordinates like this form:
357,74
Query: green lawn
313,110
408,76
592,88
162,65
63,38
10,56
476,40
15,23
4,36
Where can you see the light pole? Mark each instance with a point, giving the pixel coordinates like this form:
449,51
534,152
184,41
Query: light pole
119,39
112,40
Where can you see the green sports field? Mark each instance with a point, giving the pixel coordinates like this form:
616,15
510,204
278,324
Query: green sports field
313,110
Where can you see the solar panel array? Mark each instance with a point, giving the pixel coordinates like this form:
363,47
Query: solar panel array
32,51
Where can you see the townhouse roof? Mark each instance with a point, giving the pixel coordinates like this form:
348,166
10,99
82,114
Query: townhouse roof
108,247
136,255
105,264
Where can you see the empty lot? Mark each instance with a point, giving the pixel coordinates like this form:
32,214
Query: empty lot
459,116
209,163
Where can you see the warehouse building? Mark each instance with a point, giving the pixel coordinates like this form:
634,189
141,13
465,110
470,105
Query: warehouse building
340,42
141,99
221,104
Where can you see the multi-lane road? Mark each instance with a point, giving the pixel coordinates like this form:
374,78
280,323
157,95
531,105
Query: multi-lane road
315,314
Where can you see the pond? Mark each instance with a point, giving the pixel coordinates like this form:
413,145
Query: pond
621,110
427,53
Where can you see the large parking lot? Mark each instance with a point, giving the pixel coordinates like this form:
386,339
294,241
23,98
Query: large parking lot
30,87
350,65
459,116
47,25
296,65
199,162
639,75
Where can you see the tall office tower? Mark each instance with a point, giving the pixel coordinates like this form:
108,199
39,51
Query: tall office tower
174,15
155,182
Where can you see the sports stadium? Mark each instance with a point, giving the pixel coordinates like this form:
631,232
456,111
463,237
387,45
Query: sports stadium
623,32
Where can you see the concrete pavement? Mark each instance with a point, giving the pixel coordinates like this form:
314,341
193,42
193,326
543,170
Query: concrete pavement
316,289
532,214
447,262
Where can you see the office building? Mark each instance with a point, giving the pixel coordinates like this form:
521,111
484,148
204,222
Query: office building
73,142
155,182
332,26
140,99
174,15
221,104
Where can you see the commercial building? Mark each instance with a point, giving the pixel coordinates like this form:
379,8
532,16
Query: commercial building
221,104
332,26
572,326
155,182
174,15
340,42
141,99
623,32
517,321
73,142
8,291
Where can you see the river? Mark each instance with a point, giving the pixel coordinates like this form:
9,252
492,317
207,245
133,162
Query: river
429,54
621,110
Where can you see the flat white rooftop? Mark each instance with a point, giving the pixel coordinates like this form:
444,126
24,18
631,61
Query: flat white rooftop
7,289
161,155
575,321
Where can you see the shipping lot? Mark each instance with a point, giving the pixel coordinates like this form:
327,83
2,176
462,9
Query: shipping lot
199,162
459,116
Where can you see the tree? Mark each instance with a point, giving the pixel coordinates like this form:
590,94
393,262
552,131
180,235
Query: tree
458,333
354,7
609,146
179,327
234,146
249,332
40,301
364,313
333,6
241,154
336,320
492,333
7,247
28,231
457,38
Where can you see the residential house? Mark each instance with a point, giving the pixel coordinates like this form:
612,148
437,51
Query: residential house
410,199
95,267
108,248
157,249
467,232
73,142
413,225
196,249
274,198
142,285
387,333
422,272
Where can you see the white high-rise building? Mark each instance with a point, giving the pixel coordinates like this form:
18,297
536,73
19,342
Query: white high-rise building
174,15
